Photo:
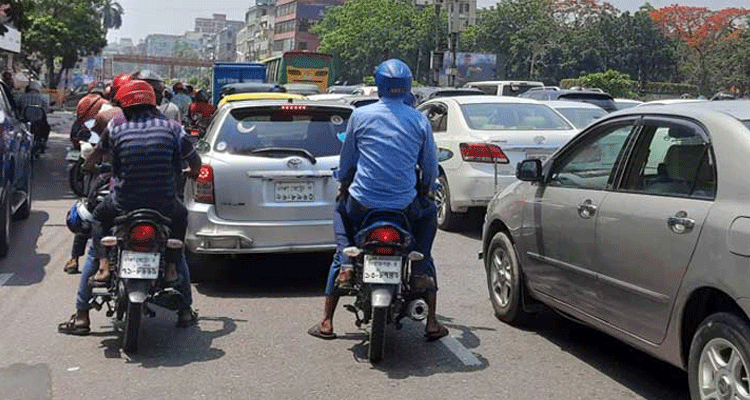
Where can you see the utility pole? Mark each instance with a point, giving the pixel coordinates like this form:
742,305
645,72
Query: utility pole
453,29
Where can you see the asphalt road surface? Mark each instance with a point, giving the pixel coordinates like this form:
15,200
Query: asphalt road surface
251,340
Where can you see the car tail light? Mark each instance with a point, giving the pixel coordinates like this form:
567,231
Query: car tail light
204,185
385,234
293,107
483,153
142,233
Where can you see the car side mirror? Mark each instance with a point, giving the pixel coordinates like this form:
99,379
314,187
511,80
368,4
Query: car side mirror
444,154
529,170
33,113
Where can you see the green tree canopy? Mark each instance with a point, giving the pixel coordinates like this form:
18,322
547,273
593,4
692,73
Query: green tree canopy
616,83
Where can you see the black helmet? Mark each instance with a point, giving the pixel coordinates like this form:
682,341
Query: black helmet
202,96
147,75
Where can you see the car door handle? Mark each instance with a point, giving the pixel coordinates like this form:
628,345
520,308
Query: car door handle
586,209
680,223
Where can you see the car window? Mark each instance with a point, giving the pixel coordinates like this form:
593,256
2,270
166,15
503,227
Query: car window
437,114
581,117
315,129
591,165
515,90
671,160
512,116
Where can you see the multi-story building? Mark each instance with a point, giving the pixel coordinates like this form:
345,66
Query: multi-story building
255,40
293,21
160,45
223,32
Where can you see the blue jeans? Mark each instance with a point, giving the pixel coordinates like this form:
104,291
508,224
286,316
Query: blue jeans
91,266
347,221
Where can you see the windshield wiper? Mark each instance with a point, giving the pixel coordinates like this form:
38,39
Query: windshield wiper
292,150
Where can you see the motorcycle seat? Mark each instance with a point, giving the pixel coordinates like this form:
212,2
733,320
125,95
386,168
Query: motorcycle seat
143,214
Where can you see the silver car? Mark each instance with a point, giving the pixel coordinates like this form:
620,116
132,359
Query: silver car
639,227
266,184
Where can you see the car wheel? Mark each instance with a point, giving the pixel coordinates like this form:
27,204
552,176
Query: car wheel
447,219
5,218
719,359
504,279
25,210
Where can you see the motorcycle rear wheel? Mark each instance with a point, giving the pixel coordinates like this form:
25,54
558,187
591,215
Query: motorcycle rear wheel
132,327
377,333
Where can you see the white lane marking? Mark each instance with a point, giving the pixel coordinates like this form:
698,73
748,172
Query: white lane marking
4,278
463,354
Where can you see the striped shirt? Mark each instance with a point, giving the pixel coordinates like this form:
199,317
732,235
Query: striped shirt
146,159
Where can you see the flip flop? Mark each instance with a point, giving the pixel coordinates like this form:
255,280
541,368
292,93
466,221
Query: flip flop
70,327
435,335
71,267
187,322
315,331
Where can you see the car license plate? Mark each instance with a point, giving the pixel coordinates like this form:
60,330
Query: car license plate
294,192
73,155
136,265
382,269
540,157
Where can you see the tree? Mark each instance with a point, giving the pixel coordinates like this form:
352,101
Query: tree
616,83
110,13
63,30
703,31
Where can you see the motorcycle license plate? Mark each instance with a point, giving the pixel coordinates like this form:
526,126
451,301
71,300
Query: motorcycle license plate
73,155
135,265
382,269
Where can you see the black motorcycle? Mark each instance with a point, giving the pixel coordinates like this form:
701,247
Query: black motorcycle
137,262
382,277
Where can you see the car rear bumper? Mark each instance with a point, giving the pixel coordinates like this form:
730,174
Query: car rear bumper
475,187
209,234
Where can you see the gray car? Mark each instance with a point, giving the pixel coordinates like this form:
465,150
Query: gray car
266,184
639,227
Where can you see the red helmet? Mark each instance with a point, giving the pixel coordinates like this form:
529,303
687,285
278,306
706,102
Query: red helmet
136,92
88,107
118,82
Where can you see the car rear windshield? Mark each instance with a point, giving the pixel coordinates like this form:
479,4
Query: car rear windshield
581,117
515,90
310,128
512,116
602,100
747,123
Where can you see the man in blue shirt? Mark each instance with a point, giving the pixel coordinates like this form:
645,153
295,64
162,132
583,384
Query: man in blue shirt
385,143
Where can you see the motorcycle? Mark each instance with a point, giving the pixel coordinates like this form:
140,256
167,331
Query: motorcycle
381,281
77,177
196,126
137,262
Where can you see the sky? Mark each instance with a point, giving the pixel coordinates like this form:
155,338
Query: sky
143,17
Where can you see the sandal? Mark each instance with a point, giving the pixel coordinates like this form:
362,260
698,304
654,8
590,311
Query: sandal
318,333
71,267
344,279
186,318
100,281
71,328
435,335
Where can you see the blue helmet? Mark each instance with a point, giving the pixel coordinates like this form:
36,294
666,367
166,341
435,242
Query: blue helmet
393,78
79,219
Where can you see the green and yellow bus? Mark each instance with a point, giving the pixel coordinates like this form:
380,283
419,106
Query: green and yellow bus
301,67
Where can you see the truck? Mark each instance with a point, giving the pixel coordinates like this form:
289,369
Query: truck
235,72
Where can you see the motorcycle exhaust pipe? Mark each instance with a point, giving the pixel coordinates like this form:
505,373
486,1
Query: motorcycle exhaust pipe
417,310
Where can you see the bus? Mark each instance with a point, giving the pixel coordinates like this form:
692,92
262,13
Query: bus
301,67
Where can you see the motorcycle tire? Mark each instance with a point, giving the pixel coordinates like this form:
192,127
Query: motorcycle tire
377,333
76,178
132,327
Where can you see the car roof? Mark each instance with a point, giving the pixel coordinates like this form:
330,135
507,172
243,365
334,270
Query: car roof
571,104
737,109
486,98
281,102
504,83
259,96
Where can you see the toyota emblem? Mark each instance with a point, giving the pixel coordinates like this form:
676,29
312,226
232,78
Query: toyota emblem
294,163
539,139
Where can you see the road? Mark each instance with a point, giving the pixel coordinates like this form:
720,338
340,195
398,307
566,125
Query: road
251,340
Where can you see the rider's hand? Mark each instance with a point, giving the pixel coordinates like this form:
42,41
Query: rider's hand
343,192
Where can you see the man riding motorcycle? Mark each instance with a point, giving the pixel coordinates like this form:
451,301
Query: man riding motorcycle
40,129
201,106
147,152
180,98
384,144
168,108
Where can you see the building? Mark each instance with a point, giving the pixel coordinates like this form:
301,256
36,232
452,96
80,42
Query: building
293,21
255,40
226,44
160,45
216,24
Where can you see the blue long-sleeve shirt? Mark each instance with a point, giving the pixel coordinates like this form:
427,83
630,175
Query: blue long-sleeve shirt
384,143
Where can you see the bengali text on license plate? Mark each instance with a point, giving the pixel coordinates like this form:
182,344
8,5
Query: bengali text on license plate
135,265
290,192
382,269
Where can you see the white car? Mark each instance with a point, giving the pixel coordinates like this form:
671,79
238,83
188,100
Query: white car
480,140
579,114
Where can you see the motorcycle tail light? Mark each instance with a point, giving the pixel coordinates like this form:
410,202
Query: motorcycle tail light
483,153
385,251
204,186
194,132
385,234
142,233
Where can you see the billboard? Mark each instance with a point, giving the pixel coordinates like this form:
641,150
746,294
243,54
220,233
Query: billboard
470,67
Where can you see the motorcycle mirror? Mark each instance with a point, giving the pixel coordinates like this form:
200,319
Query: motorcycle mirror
416,256
90,124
